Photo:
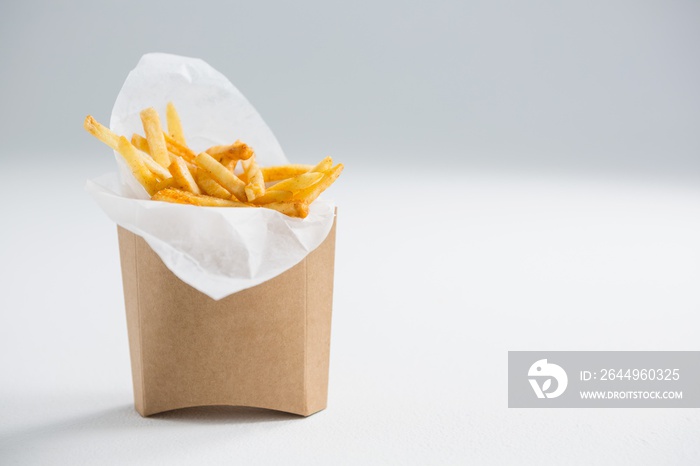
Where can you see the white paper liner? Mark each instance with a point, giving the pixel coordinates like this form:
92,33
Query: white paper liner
218,251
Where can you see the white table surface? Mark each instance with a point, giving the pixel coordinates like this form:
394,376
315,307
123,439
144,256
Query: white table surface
438,275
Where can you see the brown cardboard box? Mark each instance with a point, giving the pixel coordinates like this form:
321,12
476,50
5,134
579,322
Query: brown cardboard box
267,346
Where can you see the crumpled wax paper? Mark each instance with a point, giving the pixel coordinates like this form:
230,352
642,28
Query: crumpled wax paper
218,251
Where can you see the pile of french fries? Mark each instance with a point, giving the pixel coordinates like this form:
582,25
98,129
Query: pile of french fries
172,172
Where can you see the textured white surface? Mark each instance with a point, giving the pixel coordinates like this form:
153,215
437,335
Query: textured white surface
423,319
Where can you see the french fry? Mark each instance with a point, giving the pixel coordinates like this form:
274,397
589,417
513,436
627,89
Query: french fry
102,133
222,175
151,164
310,194
323,165
231,165
255,186
154,136
242,176
106,135
141,143
204,181
174,124
142,174
146,158
237,151
173,146
183,177
292,208
170,171
179,196
282,172
273,196
209,186
297,183
166,183
179,149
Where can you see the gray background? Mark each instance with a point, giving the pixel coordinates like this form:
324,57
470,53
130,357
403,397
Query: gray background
595,85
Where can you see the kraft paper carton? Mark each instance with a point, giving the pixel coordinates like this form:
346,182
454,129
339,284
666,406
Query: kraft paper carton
267,346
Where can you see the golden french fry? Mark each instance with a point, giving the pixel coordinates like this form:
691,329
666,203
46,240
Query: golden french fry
230,164
175,149
166,183
152,165
222,175
273,196
188,175
297,183
102,133
323,165
179,149
142,174
310,194
255,186
242,176
237,151
154,136
292,208
209,186
282,172
140,143
174,123
106,135
183,177
179,196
